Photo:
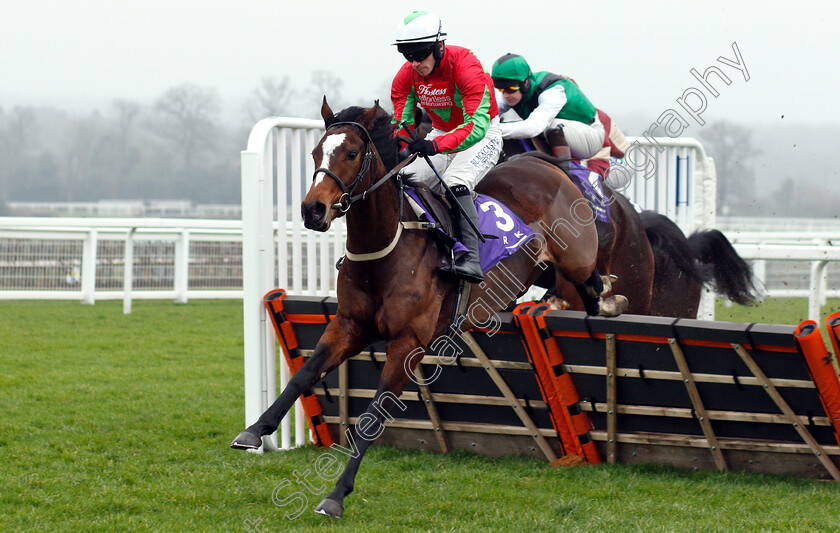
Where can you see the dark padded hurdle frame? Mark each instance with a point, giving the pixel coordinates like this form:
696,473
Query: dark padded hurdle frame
699,394
488,401
688,393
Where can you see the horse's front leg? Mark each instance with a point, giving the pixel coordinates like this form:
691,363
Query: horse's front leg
385,404
342,338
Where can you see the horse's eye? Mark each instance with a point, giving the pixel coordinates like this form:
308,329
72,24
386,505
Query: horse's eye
351,155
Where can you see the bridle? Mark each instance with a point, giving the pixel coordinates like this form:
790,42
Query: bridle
347,198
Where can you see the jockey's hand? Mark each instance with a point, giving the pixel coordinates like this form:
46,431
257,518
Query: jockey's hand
423,147
404,141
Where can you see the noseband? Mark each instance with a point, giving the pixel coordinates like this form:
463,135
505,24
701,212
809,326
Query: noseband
347,199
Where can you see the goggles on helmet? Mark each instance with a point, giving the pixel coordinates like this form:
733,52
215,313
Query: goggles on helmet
412,54
506,86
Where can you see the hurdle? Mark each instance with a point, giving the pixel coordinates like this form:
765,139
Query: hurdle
699,394
571,388
501,413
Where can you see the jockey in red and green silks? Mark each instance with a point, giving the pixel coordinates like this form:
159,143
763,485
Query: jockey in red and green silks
457,95
545,102
450,84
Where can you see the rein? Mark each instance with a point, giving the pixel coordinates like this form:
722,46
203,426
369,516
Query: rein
347,199
350,200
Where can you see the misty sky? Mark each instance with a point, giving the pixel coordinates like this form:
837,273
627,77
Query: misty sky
629,57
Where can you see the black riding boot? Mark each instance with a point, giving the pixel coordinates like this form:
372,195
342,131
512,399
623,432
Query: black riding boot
560,148
468,265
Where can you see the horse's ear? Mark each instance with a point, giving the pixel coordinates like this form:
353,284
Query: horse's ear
326,112
366,119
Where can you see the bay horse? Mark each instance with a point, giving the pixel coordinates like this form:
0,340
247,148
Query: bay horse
660,270
624,251
396,295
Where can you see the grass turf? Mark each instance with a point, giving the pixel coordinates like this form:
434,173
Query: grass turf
122,423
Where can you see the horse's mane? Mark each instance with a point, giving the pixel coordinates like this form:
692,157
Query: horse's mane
381,132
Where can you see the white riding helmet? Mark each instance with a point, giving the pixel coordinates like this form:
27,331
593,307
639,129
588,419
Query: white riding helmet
419,28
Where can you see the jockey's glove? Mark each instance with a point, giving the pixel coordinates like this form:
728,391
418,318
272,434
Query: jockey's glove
423,147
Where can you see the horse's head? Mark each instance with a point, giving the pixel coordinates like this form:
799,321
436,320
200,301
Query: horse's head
345,159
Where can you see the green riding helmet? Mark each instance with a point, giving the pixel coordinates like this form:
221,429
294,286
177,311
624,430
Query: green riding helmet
511,70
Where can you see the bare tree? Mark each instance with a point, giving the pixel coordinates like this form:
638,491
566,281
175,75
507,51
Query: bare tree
17,139
188,114
270,99
123,153
83,145
731,146
324,83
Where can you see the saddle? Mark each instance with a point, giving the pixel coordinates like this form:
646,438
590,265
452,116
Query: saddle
503,231
428,204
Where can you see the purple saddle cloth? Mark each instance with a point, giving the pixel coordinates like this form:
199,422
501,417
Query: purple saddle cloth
494,218
589,184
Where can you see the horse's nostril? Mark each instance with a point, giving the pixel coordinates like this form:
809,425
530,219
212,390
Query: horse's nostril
317,211
313,212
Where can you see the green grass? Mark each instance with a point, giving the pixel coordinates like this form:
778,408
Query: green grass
122,423
774,311
791,311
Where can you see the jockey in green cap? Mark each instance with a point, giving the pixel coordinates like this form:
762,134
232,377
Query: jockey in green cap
547,103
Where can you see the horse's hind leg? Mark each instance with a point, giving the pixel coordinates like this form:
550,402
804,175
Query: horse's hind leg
590,292
370,425
339,341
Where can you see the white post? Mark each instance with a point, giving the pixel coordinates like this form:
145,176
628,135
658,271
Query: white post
182,266
706,309
260,384
267,282
282,241
128,270
815,289
759,269
89,267
824,286
250,162
709,192
282,213
297,231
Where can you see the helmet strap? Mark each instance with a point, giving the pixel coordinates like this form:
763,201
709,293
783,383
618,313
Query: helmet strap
438,51
440,48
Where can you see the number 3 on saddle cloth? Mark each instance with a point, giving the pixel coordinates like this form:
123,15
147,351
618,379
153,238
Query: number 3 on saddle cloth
504,231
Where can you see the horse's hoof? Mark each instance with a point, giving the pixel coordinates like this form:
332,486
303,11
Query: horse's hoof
613,306
330,508
558,304
246,441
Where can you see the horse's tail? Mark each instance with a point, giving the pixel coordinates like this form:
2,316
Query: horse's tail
672,249
733,276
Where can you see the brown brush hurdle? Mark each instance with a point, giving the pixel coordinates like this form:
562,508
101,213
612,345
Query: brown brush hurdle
567,387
